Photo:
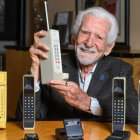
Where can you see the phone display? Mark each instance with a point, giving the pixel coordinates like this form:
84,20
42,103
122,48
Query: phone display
118,88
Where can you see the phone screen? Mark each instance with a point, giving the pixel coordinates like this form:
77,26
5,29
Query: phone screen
28,85
118,88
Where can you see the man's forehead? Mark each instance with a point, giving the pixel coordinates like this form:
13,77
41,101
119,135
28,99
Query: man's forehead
90,22
90,16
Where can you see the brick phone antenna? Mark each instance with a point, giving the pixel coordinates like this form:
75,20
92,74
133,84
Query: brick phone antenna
51,68
46,13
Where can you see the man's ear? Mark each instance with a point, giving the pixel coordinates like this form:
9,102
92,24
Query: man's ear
109,49
73,37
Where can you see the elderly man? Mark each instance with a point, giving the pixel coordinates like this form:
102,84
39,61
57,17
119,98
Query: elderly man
88,93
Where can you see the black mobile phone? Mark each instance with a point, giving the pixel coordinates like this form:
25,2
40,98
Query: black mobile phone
118,103
73,129
28,102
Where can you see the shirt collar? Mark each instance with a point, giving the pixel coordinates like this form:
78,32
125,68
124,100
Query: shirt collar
93,69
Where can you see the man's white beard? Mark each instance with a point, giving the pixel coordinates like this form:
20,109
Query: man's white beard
91,58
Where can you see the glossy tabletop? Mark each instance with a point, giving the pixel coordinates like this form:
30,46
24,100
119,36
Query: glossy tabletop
46,130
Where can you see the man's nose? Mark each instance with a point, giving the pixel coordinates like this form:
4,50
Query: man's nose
90,41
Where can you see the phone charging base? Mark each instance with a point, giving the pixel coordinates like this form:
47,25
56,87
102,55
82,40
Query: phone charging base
60,134
119,135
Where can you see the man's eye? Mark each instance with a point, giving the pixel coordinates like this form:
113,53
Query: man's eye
84,32
100,37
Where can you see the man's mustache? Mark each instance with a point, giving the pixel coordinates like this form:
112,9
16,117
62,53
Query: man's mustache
83,47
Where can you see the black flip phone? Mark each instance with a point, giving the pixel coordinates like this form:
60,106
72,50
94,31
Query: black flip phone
28,102
73,129
118,103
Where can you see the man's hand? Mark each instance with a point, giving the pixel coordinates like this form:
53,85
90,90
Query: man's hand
37,51
72,94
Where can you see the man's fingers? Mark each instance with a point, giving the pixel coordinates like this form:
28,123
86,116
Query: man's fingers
57,82
41,46
38,35
63,82
38,52
60,87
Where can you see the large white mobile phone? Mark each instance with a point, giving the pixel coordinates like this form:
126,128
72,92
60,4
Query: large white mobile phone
28,102
51,68
118,103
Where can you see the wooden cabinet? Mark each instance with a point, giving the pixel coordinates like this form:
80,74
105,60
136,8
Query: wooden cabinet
17,64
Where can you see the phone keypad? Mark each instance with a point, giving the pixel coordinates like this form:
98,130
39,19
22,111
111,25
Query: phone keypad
57,55
118,115
28,107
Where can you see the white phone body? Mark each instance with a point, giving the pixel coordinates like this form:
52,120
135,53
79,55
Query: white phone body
51,68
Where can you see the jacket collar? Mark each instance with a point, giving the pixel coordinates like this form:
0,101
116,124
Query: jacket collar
99,77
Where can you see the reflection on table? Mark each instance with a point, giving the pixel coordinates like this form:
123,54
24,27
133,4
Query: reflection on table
46,130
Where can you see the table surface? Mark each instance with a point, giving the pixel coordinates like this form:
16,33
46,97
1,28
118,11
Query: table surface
46,130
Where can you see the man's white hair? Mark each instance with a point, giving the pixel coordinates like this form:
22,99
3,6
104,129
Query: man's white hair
98,12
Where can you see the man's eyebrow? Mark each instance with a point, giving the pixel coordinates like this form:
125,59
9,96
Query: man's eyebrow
98,34
84,29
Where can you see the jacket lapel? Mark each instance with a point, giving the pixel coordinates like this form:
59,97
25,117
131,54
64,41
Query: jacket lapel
70,66
99,77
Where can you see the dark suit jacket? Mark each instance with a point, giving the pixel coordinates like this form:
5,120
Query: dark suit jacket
51,106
